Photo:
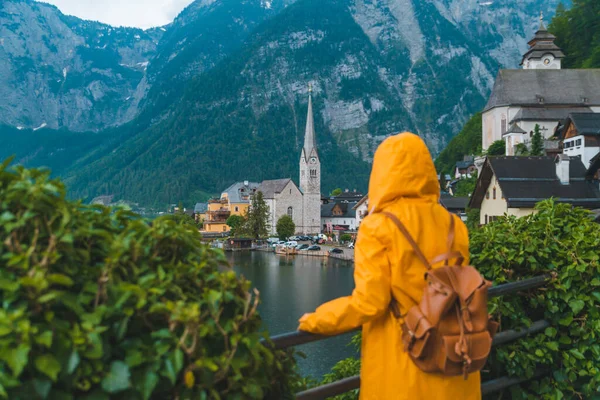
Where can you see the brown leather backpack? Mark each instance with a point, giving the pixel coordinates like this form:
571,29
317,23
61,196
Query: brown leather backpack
449,331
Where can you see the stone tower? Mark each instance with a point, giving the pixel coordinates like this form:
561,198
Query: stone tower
310,176
543,53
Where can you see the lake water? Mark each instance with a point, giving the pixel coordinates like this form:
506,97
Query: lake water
291,286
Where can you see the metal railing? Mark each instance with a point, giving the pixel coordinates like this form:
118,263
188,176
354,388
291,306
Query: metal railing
297,338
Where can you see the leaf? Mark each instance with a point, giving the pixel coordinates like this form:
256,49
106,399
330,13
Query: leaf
117,378
577,354
576,305
539,353
60,279
189,379
169,372
16,358
552,345
48,365
149,384
73,362
596,295
44,339
42,387
566,321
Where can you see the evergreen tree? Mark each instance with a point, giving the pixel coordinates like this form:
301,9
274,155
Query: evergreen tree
257,220
443,182
537,142
285,227
235,222
336,192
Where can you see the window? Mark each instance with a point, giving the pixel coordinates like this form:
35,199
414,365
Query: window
494,193
578,143
290,191
313,173
487,194
290,212
503,124
224,229
486,218
237,209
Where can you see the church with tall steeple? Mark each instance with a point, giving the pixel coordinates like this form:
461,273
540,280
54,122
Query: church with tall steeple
310,174
540,93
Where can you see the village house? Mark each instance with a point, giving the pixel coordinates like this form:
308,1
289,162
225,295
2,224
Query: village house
513,185
456,205
339,216
539,94
465,168
361,209
235,200
200,211
580,135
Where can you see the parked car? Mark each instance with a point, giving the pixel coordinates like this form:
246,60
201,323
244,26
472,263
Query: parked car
293,238
351,245
280,243
336,251
314,248
291,244
303,247
273,240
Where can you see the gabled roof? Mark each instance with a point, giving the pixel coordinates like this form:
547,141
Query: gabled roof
535,87
514,128
594,167
465,164
348,210
361,201
452,203
239,191
273,187
525,181
546,114
585,123
200,208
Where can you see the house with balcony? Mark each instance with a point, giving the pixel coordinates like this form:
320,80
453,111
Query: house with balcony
235,200
580,135
338,217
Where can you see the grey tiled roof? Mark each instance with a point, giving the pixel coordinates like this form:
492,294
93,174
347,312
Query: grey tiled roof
238,192
585,123
547,114
200,208
452,203
527,180
534,87
514,128
270,188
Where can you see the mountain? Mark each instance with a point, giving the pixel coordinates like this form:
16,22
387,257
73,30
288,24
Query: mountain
63,72
226,91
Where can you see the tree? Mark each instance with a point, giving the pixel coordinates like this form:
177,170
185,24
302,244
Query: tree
257,220
443,182
336,192
498,148
235,222
468,141
466,186
537,142
285,227
521,150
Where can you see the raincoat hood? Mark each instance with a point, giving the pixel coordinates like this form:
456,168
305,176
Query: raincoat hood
402,168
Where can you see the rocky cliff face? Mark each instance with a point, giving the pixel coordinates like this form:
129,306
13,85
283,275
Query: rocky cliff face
225,87
63,72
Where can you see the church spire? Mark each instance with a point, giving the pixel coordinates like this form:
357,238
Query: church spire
543,53
310,147
542,26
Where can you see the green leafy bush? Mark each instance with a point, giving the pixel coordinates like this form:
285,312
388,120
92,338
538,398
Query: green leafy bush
346,237
285,227
564,241
97,304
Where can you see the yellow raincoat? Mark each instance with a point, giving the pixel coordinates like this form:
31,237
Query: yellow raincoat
403,182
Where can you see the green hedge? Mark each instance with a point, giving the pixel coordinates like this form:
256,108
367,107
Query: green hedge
560,240
97,303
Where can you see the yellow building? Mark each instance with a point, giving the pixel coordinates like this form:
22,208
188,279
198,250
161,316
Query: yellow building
235,200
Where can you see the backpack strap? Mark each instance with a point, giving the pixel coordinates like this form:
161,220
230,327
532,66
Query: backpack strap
450,254
409,238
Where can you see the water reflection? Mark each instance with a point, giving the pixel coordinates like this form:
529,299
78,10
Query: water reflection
291,286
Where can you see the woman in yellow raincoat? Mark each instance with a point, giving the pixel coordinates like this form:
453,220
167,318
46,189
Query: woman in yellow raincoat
403,182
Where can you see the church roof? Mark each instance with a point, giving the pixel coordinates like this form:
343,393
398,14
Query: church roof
514,128
272,187
535,87
310,145
547,114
